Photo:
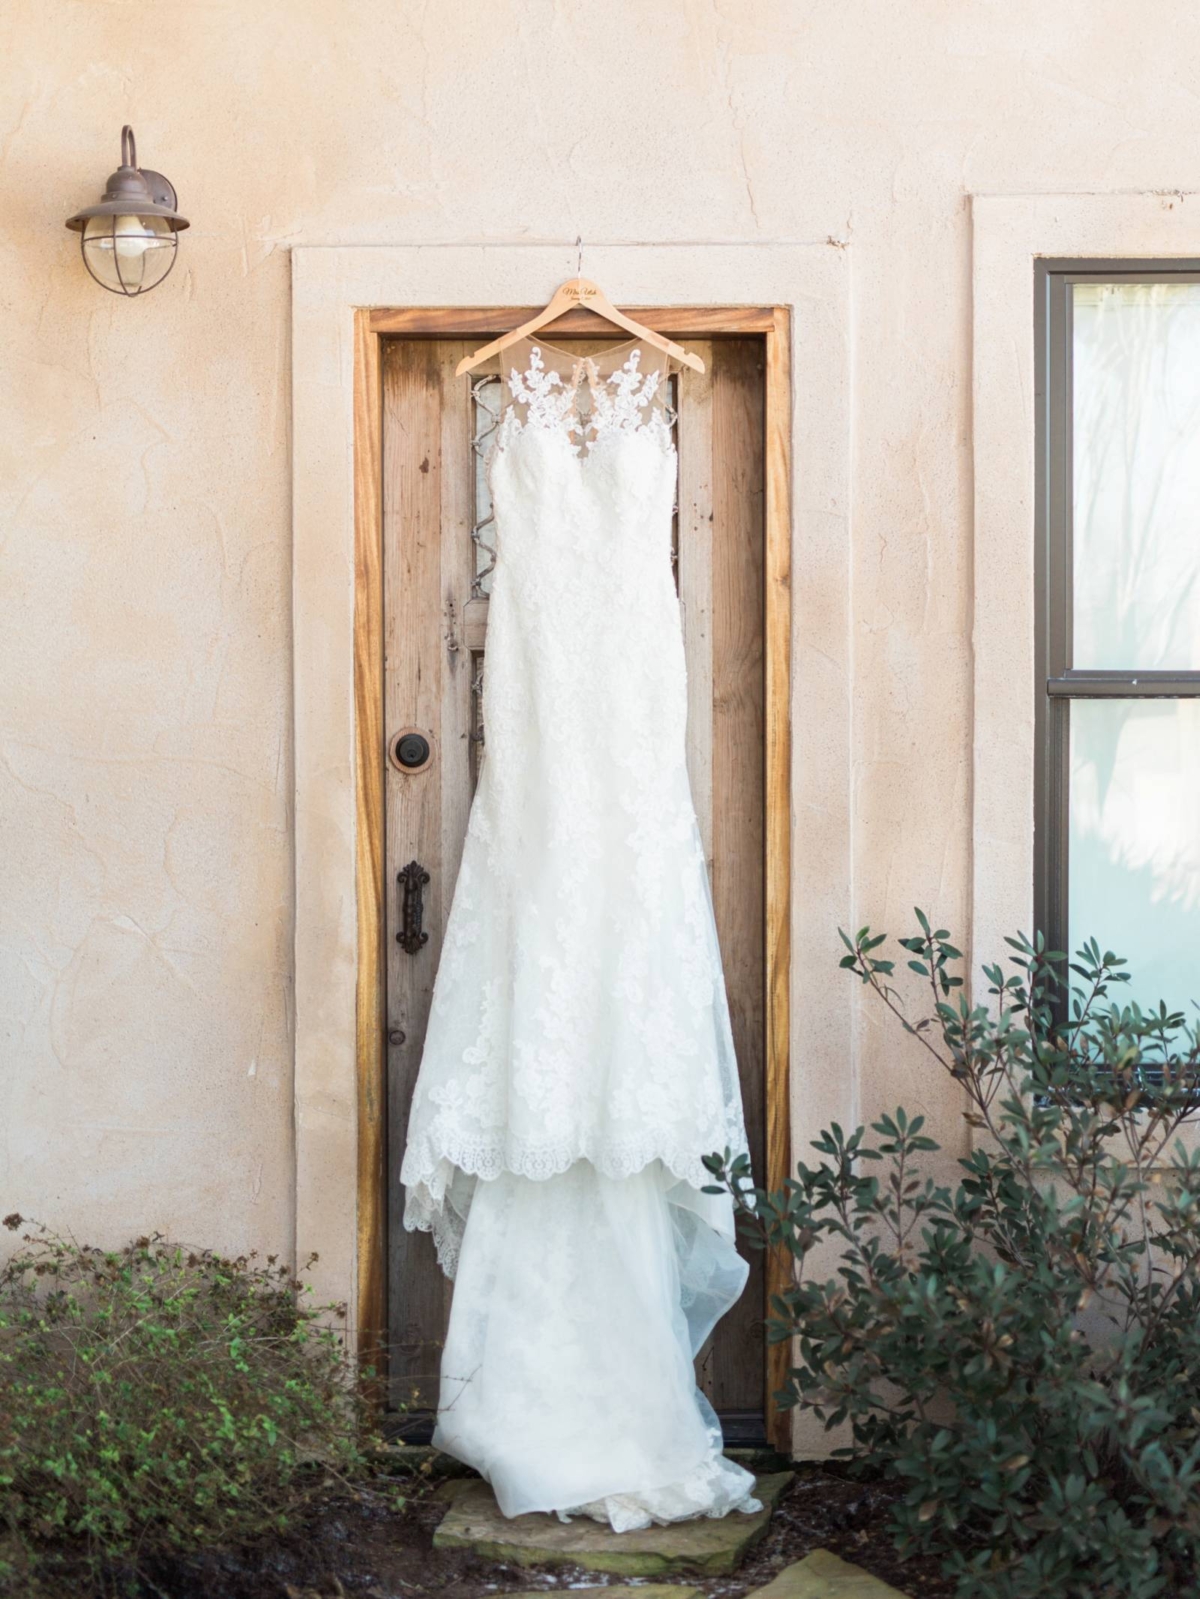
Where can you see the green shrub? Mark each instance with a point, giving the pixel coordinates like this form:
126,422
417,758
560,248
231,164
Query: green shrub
1019,1347
155,1399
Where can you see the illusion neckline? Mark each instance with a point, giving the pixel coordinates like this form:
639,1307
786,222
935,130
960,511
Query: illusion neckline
579,360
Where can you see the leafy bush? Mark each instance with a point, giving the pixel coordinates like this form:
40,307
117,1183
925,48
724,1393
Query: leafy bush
1019,1349
155,1399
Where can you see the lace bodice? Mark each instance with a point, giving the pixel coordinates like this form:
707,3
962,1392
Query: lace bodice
579,1009
585,398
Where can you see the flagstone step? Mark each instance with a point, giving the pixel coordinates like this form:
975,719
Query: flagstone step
707,1546
403,1457
641,1590
822,1575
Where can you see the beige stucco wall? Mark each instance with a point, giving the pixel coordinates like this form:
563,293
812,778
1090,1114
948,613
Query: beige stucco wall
146,751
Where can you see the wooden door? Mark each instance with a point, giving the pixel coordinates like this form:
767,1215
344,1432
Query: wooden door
437,556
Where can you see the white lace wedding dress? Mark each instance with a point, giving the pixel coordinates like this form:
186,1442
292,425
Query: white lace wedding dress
579,1062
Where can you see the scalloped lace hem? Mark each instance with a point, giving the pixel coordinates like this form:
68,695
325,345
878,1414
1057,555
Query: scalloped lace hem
438,1181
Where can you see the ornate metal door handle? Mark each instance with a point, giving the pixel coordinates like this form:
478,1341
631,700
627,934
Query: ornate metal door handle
412,908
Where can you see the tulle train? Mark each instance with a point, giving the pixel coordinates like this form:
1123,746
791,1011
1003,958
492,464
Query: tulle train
567,1377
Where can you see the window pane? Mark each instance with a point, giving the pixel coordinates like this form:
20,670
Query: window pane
1135,842
1136,448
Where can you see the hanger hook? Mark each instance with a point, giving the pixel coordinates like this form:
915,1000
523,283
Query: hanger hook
579,255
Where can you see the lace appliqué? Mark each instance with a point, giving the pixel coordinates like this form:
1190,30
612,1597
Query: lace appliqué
626,400
548,401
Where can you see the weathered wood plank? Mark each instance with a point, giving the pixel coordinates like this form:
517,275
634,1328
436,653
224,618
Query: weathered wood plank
457,560
413,660
457,570
475,615
738,822
778,809
370,1307
696,321
695,574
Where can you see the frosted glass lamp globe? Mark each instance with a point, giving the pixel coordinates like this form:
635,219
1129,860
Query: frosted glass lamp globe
130,240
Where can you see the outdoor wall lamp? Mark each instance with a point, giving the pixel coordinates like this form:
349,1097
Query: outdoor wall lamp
130,239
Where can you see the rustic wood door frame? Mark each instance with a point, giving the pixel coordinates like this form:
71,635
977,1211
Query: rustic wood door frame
371,327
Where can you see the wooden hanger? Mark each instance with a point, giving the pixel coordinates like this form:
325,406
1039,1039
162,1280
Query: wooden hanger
580,291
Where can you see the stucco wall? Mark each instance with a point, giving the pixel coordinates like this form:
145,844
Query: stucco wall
145,730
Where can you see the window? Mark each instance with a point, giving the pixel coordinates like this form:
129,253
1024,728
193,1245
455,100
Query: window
1118,694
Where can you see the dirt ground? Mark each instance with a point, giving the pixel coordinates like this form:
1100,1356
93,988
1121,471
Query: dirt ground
355,1544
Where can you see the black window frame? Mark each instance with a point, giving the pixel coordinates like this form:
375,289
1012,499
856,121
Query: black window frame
1058,682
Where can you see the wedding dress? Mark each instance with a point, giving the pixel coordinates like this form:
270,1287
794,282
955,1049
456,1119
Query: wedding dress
579,1062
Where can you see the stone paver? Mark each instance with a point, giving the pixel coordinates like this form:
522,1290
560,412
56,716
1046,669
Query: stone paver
709,1546
823,1576
642,1590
